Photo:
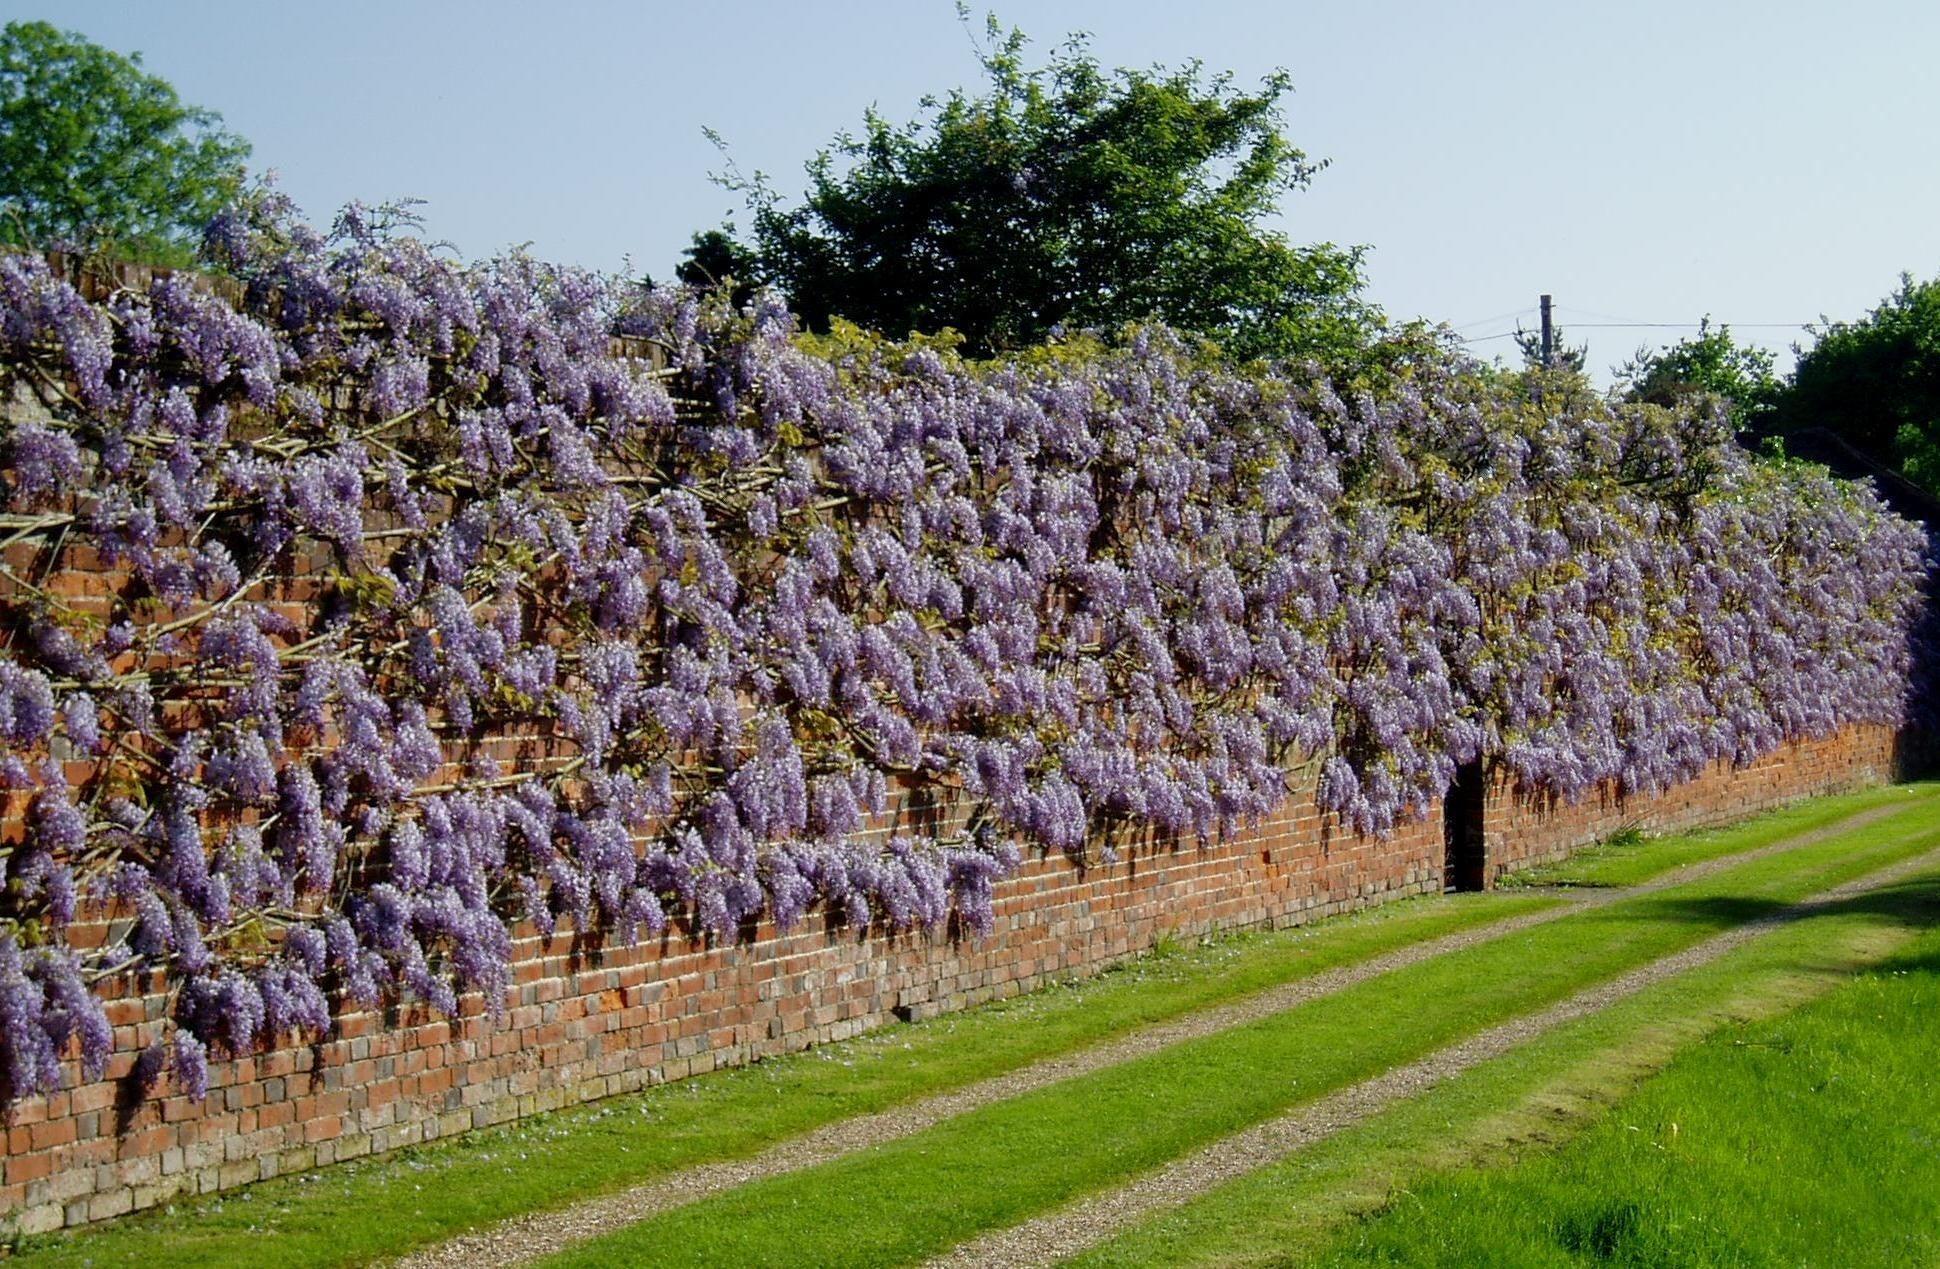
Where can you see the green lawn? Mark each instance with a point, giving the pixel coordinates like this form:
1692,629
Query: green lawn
1522,1103
361,1211
1811,1139
1630,861
999,1165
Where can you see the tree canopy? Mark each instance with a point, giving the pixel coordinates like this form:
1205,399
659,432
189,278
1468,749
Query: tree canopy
96,151
1875,382
1709,362
1063,195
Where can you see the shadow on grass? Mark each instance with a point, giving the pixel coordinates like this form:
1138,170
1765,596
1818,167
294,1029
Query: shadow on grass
1913,903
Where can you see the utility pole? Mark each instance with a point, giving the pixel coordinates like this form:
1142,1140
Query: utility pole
1549,345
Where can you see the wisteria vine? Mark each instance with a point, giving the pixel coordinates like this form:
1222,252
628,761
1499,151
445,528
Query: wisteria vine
380,517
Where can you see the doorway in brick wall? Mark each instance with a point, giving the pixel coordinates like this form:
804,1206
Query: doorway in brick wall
1465,859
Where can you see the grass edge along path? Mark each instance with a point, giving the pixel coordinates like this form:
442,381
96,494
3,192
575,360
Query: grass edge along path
533,1235
1529,1101
1002,1164
1066,1232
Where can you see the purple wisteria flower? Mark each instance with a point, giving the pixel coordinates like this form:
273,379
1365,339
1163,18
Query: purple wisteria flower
432,607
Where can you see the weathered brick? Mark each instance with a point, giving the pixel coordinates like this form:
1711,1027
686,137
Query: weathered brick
44,1219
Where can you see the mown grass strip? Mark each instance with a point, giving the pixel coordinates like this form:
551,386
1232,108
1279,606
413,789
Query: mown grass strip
994,1167
362,1211
1530,1100
1071,1229
1810,1139
1630,863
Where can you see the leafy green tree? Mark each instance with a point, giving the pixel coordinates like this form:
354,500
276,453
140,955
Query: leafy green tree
1708,362
1875,383
95,151
1065,195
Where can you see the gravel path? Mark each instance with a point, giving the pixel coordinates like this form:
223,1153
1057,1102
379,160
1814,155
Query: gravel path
1072,1229
533,1236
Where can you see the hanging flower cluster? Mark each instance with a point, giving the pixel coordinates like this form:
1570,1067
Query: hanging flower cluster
384,518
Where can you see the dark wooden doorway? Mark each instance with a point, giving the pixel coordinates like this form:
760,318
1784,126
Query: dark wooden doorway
1465,865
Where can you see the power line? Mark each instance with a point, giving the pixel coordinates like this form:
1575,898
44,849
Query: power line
1608,317
1479,339
1610,321
1484,321
1687,325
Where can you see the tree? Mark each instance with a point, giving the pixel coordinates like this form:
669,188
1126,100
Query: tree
1709,362
1065,196
1561,355
1875,383
716,257
95,151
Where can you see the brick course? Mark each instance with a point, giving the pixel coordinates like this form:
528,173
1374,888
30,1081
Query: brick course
1523,829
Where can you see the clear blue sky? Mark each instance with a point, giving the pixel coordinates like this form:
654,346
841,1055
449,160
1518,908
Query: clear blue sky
1647,161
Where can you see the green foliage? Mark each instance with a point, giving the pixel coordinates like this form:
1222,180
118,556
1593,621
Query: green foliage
1875,382
1064,196
1561,356
1626,838
97,153
717,258
1711,362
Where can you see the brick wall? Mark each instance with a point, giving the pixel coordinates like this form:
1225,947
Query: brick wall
1522,829
584,1023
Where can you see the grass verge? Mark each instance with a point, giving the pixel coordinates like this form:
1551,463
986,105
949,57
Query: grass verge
1527,1101
361,1211
1812,1139
1636,860
999,1165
